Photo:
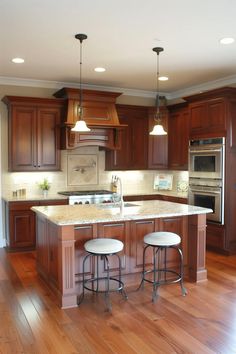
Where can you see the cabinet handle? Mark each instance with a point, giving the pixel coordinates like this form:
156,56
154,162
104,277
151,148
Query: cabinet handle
82,227
113,225
144,222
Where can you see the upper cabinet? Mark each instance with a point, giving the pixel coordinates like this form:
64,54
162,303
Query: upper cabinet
34,132
134,140
178,137
208,113
158,145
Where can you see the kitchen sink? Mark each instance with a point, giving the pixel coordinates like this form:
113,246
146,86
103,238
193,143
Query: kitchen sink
116,205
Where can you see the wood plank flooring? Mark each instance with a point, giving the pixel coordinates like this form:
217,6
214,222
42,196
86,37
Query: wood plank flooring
202,322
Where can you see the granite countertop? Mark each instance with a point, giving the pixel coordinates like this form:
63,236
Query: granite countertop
29,197
97,213
33,198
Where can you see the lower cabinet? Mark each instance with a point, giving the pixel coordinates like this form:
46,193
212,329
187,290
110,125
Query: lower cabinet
215,237
140,228
83,233
20,223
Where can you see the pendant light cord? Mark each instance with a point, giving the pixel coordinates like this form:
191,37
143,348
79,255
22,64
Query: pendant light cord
157,50
80,83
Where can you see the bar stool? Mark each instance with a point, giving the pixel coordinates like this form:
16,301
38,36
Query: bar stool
102,248
162,241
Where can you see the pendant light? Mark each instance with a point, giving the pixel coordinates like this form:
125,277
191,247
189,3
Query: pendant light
158,127
80,125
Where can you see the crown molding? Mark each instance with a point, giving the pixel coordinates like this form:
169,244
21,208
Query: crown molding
227,81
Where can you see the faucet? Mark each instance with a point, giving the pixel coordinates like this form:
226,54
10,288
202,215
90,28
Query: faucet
118,180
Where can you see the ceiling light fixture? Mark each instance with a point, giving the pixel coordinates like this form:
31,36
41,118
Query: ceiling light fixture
100,70
158,128
80,125
18,60
227,40
163,78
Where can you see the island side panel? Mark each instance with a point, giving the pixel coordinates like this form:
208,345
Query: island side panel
56,259
197,247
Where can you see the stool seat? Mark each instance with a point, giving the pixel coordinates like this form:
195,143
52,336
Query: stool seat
162,239
103,246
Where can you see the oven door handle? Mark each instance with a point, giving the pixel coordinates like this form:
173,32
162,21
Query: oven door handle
204,191
205,151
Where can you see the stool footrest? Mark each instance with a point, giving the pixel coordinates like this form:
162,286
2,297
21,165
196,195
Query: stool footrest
161,281
93,280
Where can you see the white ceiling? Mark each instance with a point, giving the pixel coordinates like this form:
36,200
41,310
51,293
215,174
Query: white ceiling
121,35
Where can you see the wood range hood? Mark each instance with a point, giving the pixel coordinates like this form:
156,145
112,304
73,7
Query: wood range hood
99,113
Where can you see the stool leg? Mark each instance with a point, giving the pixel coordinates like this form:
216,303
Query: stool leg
81,298
141,285
121,285
107,292
183,289
156,272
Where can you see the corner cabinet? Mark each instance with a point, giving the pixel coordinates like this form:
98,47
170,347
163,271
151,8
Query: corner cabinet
34,133
134,140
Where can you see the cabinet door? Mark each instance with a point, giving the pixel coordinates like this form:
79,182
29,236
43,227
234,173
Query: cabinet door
138,230
208,118
118,231
217,117
178,225
22,143
158,145
198,118
134,140
83,233
178,138
48,154
21,229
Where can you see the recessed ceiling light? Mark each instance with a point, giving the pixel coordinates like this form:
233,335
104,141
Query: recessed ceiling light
99,70
18,60
227,40
163,78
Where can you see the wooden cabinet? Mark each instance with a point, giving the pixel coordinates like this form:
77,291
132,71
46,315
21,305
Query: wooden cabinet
158,145
178,137
140,228
20,223
134,140
105,138
207,113
34,132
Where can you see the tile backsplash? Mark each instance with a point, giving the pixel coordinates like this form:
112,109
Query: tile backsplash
83,169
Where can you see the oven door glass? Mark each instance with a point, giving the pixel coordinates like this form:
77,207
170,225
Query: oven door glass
208,200
206,164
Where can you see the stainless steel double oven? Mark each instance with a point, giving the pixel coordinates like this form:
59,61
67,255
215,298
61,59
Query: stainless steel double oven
206,176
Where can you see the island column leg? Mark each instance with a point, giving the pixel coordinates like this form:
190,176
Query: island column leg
67,267
197,247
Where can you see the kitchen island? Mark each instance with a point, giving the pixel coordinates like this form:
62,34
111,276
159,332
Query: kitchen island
62,231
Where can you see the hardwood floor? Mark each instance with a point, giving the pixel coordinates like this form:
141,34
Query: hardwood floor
202,322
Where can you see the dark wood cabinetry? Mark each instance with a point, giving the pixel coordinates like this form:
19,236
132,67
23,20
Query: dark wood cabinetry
20,223
34,133
158,145
134,140
207,113
178,137
139,228
213,114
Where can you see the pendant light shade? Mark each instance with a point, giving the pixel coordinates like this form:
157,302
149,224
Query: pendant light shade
158,127
80,125
158,130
